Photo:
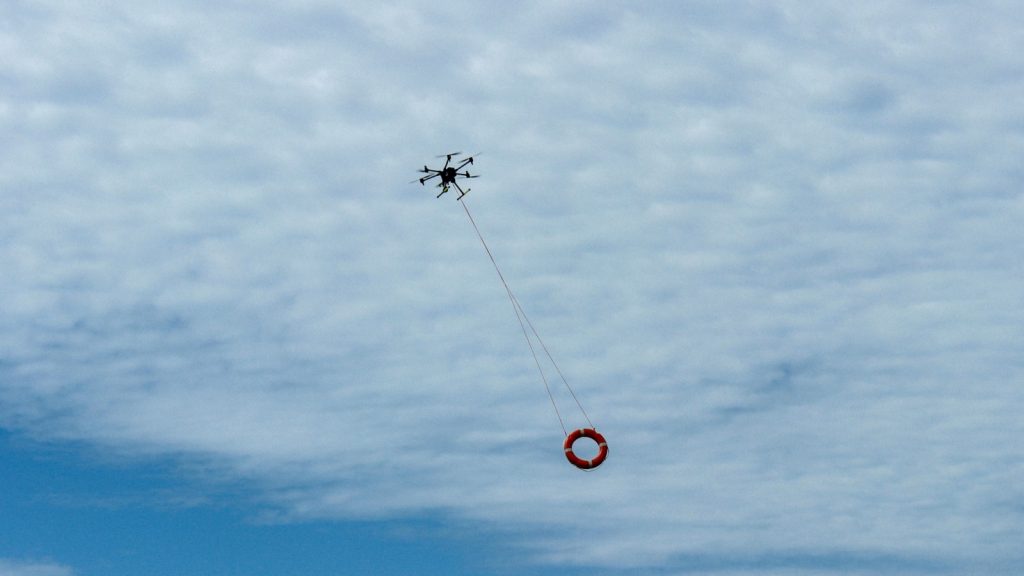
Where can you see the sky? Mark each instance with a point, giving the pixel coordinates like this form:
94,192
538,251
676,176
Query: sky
774,246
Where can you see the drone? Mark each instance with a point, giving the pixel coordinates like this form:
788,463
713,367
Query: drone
448,173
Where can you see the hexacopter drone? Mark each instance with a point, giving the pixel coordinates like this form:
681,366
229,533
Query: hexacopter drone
448,174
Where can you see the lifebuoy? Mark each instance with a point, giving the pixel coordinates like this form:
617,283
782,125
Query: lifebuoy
593,435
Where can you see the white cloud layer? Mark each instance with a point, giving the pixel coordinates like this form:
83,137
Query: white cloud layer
17,568
777,249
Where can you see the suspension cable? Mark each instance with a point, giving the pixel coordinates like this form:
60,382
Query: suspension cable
555,364
521,316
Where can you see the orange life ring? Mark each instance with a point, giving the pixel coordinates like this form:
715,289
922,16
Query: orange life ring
593,435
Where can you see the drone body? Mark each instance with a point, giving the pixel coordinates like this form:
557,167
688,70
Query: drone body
448,174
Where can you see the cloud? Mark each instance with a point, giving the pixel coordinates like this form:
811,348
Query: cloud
14,568
776,250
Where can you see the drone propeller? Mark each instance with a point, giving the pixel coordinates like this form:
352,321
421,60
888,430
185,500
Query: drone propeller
449,155
430,175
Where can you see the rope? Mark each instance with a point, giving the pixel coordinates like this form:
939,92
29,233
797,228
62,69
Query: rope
521,316
555,364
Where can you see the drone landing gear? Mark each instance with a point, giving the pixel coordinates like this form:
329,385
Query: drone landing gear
462,192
